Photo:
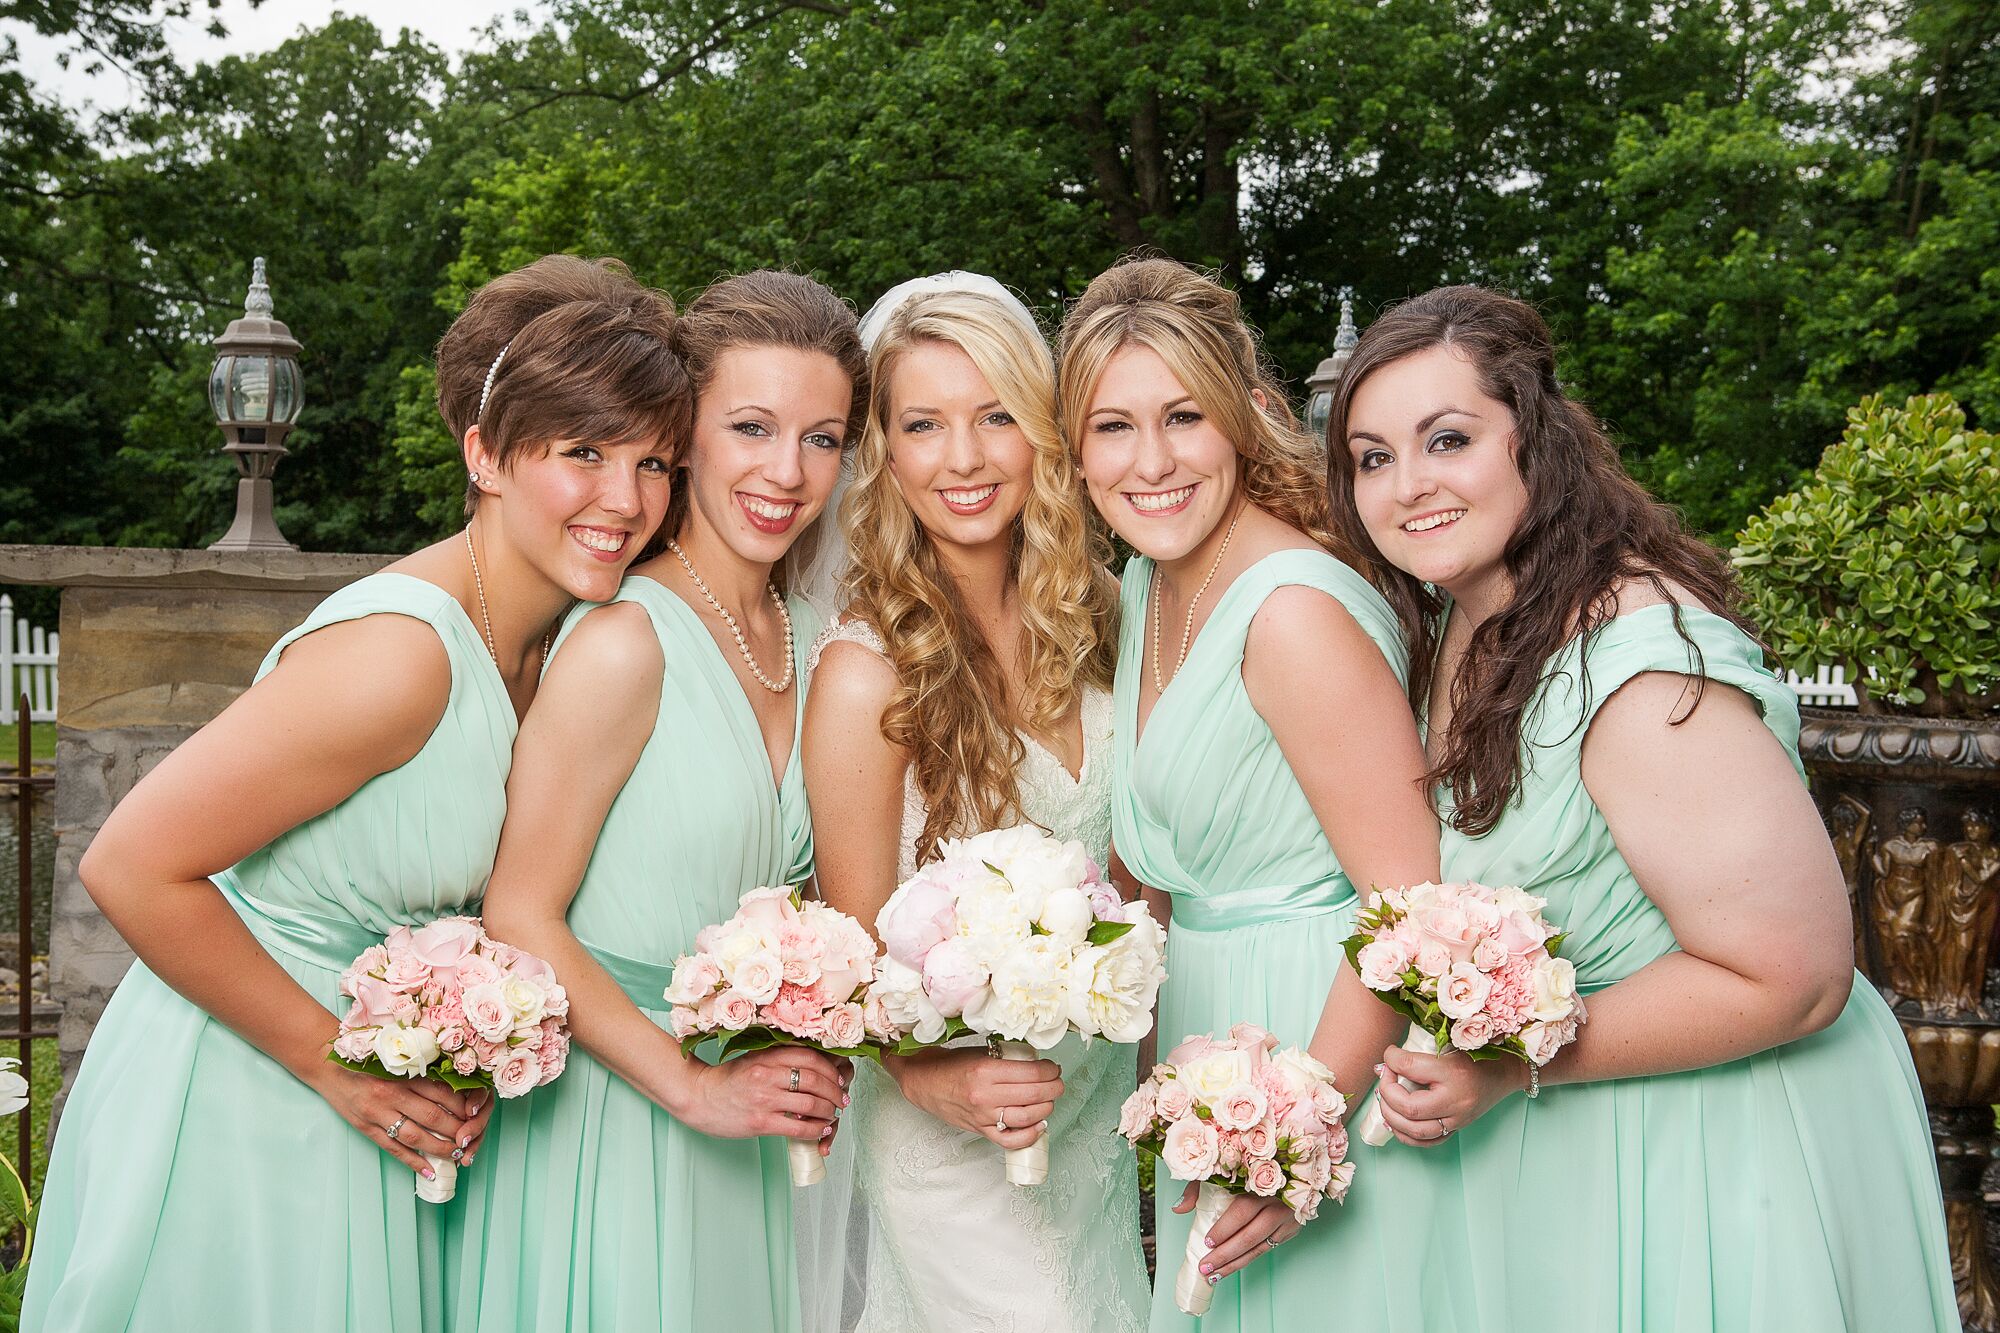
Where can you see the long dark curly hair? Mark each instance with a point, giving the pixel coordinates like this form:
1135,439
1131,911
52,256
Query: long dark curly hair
1588,528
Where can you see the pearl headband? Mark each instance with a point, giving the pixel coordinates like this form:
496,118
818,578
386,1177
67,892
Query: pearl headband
486,390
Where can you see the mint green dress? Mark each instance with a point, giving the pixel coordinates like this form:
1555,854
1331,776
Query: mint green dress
1206,808
195,1184
588,1206
1791,1190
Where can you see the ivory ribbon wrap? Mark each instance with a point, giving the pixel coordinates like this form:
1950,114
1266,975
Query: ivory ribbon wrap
1374,1129
1192,1291
808,1167
446,1184
1029,1165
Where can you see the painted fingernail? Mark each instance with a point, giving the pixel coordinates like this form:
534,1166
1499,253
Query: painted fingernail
1208,1268
845,1100
1381,1070
1214,1278
429,1174
1207,1244
827,1132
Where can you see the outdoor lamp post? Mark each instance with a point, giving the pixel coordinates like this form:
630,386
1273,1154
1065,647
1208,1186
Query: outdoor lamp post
1319,384
254,391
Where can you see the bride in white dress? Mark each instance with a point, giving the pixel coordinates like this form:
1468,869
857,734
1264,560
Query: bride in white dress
965,686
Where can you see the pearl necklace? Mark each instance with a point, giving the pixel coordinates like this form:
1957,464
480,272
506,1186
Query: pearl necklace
743,644
1187,625
486,621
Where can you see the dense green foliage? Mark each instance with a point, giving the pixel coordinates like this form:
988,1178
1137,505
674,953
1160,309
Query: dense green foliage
1742,216
1887,560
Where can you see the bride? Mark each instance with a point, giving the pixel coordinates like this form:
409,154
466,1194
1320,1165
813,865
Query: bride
965,687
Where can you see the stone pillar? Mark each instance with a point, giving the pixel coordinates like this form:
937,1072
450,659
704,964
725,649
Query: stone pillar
154,644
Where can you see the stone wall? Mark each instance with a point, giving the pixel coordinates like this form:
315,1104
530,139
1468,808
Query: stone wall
154,644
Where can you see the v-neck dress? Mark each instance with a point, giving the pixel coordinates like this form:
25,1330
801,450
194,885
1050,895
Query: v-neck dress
1207,809
589,1206
195,1182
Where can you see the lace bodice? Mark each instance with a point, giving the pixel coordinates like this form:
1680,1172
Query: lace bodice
1069,807
953,1246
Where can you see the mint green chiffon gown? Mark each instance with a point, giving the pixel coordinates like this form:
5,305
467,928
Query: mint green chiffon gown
1206,808
195,1184
1794,1190
588,1206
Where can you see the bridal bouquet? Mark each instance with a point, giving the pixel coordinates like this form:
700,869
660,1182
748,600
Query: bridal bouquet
447,1001
1016,936
1473,968
1240,1120
781,972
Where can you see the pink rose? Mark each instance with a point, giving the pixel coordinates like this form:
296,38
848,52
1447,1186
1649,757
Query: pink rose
488,1054
465,1060
375,1002
876,1021
917,918
487,1011
446,942
1449,926
1228,1152
1383,963
695,976
732,1009
1266,1177
1303,1200
1488,955
556,999
1328,1104
477,971
1472,1032
355,1044
844,1027
1433,959
1135,1117
398,940
1191,1149
1339,1180
1190,1050
518,1073
766,907
1336,1142
683,1022
373,959
453,1035
952,978
1261,1139
801,949
1175,1100
1522,935
1462,991
406,972
1240,1108
1254,1040
1541,1041
1301,1122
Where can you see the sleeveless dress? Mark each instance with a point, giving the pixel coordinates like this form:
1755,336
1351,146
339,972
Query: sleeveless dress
954,1248
1208,810
196,1184
1793,1189
588,1206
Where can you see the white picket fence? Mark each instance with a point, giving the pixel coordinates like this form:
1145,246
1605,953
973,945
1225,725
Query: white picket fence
1826,688
27,663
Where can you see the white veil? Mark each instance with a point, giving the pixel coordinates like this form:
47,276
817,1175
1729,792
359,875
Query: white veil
830,1220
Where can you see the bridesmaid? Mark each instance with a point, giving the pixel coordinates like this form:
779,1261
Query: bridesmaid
657,780
214,1169
966,689
1266,760
1736,1140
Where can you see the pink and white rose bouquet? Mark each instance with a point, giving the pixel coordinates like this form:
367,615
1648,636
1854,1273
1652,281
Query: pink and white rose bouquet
1474,969
1017,936
447,1001
783,971
1241,1117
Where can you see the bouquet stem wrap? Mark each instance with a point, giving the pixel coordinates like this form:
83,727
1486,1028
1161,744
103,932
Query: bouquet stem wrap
445,1186
1192,1291
1374,1129
1029,1165
808,1167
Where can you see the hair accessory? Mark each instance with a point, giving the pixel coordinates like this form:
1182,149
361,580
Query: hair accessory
486,389
953,280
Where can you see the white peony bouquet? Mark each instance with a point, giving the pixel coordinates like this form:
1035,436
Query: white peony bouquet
1016,936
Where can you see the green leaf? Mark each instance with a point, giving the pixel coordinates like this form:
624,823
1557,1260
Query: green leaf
1103,932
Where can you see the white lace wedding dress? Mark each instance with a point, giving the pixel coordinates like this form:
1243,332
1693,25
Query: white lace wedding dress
951,1245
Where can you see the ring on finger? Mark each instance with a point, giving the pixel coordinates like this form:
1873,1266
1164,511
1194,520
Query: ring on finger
795,1078
1444,1130
396,1129
1000,1123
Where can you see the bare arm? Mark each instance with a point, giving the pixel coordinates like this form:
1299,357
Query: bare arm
596,708
854,779
344,704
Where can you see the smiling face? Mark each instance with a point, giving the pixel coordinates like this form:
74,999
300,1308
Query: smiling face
1162,474
768,431
1435,481
962,463
579,513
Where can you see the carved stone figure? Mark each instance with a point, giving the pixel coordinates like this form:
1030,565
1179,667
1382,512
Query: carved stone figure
1903,876
1968,898
1847,821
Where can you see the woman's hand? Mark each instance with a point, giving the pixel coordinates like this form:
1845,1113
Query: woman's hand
784,1091
977,1092
1452,1091
428,1117
1248,1229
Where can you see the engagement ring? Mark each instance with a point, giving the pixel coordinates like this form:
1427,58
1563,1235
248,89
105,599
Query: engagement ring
397,1128
795,1078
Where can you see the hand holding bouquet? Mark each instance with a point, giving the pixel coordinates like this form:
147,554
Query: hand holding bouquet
1016,936
1240,1120
1473,968
446,1001
781,972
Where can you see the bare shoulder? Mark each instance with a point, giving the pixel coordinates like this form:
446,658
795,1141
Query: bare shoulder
851,679
1638,593
612,657
1654,715
1300,625
387,667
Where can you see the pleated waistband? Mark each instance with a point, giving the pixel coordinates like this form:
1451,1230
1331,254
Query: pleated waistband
1236,908
332,943
644,983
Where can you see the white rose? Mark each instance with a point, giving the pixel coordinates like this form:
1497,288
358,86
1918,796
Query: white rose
1029,998
734,947
526,999
757,974
1216,1073
1066,915
1555,990
1301,1067
405,1051
1463,990
1511,899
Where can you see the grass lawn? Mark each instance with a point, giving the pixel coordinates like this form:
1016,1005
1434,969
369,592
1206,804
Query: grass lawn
47,1078
10,741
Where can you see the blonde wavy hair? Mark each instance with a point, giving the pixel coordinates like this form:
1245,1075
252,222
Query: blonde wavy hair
950,711
1196,326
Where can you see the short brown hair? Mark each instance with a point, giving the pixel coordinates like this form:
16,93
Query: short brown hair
768,308
588,356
